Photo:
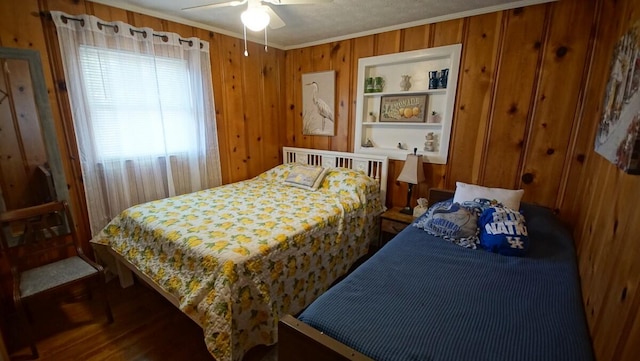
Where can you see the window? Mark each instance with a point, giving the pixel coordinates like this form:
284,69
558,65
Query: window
139,105
143,113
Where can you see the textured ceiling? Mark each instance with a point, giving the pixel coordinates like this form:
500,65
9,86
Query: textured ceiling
317,23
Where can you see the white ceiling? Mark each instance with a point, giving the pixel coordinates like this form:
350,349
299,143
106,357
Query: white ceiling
312,24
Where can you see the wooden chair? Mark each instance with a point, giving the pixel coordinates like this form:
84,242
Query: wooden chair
45,256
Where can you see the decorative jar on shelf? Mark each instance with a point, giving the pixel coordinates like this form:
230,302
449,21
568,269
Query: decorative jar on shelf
443,78
433,80
435,117
405,83
368,85
378,84
428,144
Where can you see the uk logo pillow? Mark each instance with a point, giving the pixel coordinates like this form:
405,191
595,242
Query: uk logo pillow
503,231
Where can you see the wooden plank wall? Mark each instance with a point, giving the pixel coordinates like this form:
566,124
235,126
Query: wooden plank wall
519,87
602,204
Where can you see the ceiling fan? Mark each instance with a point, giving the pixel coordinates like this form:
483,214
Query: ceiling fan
258,15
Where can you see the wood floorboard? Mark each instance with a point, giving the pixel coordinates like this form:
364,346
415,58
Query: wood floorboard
146,327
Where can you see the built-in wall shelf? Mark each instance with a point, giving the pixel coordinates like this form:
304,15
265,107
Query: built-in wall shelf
392,121
398,124
430,91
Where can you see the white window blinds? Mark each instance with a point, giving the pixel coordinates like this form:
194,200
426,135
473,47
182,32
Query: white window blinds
139,104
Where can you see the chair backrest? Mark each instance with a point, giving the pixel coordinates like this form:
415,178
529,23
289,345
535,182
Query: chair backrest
43,188
38,235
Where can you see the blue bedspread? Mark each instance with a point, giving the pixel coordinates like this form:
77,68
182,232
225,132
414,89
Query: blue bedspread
423,298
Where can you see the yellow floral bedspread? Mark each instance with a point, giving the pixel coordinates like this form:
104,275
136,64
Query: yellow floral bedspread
240,255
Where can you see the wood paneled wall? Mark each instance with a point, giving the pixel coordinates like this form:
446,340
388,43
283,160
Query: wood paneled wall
601,202
518,90
529,97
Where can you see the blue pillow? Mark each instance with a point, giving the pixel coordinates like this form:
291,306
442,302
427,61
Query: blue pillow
451,221
503,231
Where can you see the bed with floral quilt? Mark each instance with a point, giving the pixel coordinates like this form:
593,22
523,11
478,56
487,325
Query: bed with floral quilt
236,257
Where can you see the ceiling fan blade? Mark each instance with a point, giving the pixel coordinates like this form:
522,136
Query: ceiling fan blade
296,2
217,5
276,22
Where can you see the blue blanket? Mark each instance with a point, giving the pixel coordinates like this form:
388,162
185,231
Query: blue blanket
423,298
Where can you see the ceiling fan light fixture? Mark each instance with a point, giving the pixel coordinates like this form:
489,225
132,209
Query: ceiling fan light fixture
255,18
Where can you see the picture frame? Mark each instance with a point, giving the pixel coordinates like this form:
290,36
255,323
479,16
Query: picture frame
318,103
618,135
403,108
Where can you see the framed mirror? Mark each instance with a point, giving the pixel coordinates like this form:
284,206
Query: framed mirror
31,170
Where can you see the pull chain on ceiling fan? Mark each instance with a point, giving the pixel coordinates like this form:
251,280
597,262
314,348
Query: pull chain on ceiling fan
258,16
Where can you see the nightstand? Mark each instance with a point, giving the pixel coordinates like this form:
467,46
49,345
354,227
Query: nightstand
391,223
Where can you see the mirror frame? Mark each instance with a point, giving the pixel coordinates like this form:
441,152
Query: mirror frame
45,116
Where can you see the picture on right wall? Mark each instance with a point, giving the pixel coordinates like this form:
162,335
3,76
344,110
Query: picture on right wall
618,136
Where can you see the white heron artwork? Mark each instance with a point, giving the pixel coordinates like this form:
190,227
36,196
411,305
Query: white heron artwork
318,104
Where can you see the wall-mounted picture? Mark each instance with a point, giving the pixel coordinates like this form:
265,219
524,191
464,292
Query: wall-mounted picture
618,136
318,103
403,108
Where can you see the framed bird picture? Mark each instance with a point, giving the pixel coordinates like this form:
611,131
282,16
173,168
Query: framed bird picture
318,103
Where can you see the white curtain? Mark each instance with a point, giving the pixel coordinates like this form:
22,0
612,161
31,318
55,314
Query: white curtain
143,113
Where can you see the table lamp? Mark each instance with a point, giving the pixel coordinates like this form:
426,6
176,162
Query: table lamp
412,173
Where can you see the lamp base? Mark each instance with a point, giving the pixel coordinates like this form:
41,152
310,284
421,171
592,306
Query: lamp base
407,210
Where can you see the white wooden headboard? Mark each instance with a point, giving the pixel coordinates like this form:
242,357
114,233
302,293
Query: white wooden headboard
375,166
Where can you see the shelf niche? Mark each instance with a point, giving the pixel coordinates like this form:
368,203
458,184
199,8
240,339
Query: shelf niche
373,136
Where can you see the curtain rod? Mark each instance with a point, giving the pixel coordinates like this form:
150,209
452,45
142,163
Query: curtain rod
143,32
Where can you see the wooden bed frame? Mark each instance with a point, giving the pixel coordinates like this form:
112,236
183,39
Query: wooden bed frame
299,341
375,166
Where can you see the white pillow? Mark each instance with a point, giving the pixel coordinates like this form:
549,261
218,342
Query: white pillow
508,197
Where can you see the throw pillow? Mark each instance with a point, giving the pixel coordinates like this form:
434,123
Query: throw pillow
504,231
306,177
452,222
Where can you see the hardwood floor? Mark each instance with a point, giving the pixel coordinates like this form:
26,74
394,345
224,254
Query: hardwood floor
146,328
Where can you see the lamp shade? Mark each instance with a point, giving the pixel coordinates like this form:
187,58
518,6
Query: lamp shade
412,172
255,18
